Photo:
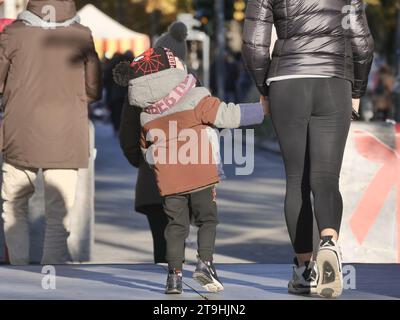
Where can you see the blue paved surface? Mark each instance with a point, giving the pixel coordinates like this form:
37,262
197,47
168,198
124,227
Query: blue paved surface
242,282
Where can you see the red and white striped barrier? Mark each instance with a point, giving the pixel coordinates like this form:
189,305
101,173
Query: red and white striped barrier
370,185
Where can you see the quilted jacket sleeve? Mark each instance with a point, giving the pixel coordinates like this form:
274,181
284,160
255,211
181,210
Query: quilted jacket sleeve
363,48
257,41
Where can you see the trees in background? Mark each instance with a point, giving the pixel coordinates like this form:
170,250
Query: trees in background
146,16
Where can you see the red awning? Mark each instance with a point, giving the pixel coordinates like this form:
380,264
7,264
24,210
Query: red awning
4,23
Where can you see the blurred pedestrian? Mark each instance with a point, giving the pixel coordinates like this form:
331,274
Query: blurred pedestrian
115,94
51,72
318,72
383,97
244,83
232,70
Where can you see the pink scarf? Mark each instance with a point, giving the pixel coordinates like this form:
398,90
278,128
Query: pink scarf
174,97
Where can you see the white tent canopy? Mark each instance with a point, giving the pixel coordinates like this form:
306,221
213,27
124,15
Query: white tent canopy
104,28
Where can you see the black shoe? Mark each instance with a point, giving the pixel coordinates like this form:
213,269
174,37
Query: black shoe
174,282
305,278
206,275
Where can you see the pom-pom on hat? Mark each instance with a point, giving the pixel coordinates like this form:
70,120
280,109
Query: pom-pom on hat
151,61
175,40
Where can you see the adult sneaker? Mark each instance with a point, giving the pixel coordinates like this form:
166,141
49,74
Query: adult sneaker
329,264
305,278
206,275
174,282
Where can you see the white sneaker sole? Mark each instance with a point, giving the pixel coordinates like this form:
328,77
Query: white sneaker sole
328,263
210,284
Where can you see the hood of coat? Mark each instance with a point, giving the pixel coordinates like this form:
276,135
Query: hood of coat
147,90
64,10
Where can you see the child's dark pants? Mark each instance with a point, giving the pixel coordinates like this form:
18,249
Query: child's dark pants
202,205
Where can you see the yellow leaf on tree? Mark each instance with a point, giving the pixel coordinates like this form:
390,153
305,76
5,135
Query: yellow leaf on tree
166,7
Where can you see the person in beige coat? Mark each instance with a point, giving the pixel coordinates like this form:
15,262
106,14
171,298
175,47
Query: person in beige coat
50,72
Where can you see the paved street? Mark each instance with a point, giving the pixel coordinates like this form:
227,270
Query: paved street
251,217
146,281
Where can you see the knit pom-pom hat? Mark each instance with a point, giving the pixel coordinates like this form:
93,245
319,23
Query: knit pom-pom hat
175,40
151,61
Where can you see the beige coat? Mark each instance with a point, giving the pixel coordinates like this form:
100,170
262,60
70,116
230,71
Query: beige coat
49,75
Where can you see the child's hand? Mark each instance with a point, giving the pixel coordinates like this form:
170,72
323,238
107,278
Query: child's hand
264,102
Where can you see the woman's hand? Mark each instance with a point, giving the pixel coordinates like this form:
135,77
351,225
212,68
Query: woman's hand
356,104
265,104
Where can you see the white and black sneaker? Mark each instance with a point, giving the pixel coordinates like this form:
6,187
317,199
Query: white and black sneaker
329,264
305,278
206,275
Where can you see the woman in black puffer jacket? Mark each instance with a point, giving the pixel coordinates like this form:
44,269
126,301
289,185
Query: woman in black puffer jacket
316,76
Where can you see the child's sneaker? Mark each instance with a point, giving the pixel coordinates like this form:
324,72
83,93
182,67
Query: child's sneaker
329,264
305,278
174,282
206,275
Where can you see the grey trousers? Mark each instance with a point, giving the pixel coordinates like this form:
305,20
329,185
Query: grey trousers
179,208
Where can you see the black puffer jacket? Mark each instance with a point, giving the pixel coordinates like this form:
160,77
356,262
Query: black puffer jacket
315,37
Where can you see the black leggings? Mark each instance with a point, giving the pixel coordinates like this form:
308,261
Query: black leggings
311,118
158,222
